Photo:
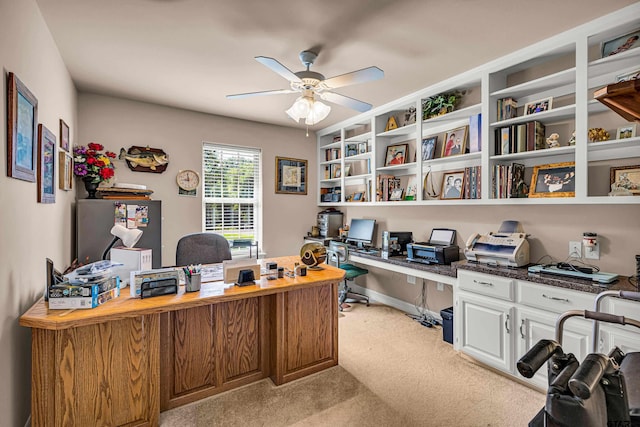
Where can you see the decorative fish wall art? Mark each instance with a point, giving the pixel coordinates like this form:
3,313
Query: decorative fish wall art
145,159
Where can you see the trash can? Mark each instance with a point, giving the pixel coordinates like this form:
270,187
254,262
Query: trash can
447,324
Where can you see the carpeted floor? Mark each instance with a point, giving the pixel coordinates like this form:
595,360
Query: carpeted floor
392,372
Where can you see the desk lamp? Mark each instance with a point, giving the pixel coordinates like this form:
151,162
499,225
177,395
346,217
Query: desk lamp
128,236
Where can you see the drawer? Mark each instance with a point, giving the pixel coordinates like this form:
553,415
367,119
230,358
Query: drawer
551,298
621,307
486,284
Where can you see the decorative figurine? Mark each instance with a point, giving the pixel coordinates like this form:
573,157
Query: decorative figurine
572,141
598,134
552,140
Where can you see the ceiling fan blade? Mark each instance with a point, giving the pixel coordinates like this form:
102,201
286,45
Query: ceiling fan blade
345,101
266,92
360,76
274,65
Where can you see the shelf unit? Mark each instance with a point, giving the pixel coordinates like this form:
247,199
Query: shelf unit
567,69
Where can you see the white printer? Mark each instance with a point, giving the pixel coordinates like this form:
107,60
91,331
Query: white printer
506,247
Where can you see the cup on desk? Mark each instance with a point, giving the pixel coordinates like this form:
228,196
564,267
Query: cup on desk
192,282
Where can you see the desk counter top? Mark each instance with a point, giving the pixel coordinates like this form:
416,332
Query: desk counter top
444,270
39,315
521,273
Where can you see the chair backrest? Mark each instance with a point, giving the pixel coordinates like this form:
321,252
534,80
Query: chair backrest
338,253
202,248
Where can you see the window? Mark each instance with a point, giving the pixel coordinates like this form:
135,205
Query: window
232,193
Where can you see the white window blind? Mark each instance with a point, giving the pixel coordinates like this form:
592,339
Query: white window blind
232,192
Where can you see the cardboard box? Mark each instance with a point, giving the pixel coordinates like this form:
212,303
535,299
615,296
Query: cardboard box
67,296
132,259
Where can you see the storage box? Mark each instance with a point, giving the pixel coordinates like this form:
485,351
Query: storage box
447,324
66,296
132,259
160,277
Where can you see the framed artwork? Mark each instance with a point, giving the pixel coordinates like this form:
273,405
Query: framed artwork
357,197
452,185
291,176
412,188
396,194
553,180
455,142
65,171
538,106
429,147
64,135
22,124
624,132
396,154
46,165
627,177
621,43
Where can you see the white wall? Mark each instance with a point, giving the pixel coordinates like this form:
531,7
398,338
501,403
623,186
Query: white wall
118,123
29,231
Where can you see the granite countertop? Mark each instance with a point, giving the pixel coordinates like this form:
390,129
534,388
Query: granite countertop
521,273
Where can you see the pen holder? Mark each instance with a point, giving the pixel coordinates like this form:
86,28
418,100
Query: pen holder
192,282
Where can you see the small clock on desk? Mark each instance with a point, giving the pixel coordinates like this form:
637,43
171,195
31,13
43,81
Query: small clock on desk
188,179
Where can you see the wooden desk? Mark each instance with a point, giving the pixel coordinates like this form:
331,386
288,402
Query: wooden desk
125,361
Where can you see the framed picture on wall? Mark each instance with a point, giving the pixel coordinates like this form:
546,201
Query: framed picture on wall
65,171
291,176
22,124
46,165
64,135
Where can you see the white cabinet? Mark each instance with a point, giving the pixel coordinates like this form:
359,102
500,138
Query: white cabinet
625,337
497,320
559,74
486,330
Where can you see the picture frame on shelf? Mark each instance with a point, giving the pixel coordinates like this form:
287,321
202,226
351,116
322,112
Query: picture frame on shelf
65,171
553,180
337,172
362,148
64,135
429,147
46,165
627,177
396,154
627,131
357,197
621,43
351,149
396,194
291,176
452,185
455,141
408,117
22,124
347,170
538,106
412,188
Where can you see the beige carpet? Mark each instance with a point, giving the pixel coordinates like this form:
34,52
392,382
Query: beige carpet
392,372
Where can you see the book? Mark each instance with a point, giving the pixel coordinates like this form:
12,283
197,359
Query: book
505,138
475,133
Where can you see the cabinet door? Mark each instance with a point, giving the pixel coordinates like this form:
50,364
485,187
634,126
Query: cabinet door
535,325
486,330
627,340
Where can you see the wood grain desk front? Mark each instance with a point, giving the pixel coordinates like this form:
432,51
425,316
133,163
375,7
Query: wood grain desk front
125,361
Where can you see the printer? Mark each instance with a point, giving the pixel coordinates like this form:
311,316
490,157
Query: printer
507,247
438,250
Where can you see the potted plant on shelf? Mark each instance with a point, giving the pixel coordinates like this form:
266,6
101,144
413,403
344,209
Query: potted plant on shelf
93,166
440,104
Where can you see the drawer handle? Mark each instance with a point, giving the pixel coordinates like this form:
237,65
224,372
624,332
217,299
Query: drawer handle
521,325
506,324
555,298
482,283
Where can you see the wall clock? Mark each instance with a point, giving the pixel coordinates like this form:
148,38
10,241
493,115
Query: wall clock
188,179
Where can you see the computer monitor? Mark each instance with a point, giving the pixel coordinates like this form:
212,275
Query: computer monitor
361,232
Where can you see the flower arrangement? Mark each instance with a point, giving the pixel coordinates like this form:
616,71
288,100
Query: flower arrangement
92,165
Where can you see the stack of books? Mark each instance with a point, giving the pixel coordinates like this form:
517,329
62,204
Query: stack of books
472,189
507,108
386,185
508,181
519,138
86,287
117,193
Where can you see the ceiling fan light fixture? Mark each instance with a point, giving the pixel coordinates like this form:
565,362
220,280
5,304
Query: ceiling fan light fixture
300,108
319,112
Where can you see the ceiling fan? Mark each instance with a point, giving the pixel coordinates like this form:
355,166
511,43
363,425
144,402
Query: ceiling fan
314,86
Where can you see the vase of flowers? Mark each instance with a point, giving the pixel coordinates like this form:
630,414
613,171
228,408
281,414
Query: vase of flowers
93,166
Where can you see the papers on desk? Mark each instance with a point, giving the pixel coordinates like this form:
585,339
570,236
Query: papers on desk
212,273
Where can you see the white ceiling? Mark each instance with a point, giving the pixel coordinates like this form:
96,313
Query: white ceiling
192,53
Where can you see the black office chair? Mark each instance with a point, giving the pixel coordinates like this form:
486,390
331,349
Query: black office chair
338,254
202,248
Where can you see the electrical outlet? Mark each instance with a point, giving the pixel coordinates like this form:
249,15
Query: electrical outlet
440,286
411,279
575,249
